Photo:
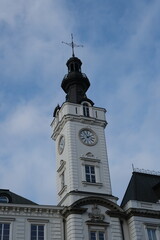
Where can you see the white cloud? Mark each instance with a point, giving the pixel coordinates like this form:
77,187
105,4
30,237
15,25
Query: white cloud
121,58
27,153
31,36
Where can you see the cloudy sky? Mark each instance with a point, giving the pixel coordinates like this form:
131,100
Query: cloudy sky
121,57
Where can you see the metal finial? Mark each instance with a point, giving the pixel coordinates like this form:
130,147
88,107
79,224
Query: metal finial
72,45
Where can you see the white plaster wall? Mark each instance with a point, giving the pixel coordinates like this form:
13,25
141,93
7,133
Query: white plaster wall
75,228
136,224
116,229
75,149
137,227
78,227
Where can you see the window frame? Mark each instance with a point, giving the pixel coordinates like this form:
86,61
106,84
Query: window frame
97,229
62,180
86,110
36,222
91,160
155,227
37,230
61,176
91,174
10,228
4,199
97,237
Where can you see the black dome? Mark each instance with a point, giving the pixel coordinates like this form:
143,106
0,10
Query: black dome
75,83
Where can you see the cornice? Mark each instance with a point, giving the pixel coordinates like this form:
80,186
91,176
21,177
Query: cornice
83,194
69,210
142,213
98,223
80,119
116,214
90,159
79,207
28,210
92,184
99,201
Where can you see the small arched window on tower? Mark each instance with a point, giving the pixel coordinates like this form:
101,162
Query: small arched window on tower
77,67
72,67
86,109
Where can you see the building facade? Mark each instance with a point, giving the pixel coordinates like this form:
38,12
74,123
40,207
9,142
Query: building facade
87,209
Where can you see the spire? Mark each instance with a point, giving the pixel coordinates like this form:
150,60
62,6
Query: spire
75,83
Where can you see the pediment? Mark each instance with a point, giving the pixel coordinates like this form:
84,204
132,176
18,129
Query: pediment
89,157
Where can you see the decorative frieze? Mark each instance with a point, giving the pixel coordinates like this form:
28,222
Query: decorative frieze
29,211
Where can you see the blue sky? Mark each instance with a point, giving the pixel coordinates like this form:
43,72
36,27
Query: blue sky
121,57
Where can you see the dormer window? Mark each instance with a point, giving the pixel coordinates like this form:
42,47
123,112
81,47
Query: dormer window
4,199
85,110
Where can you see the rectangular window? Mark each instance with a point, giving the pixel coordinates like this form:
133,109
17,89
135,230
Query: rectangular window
151,234
62,180
4,231
37,232
97,235
85,110
90,173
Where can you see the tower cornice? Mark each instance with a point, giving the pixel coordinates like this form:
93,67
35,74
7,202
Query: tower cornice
80,119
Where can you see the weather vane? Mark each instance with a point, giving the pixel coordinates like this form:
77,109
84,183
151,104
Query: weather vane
72,45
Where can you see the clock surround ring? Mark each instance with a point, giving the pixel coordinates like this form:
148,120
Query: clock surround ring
61,144
88,137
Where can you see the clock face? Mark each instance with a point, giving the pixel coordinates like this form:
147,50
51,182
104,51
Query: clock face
61,144
88,137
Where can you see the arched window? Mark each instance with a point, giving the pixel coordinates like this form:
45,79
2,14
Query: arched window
72,67
4,199
76,67
85,110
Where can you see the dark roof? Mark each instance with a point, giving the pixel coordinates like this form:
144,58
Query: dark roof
142,187
75,84
14,198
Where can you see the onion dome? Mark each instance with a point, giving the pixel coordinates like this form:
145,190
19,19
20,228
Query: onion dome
75,83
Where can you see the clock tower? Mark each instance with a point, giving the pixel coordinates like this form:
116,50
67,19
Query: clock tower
89,209
78,130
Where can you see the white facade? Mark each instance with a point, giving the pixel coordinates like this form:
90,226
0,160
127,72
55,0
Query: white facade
71,162
143,216
20,218
90,207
